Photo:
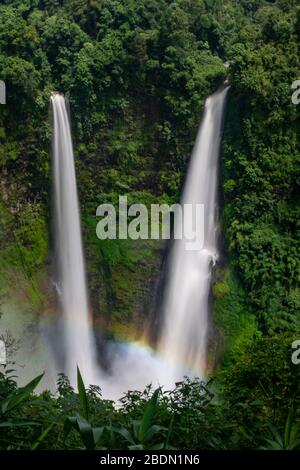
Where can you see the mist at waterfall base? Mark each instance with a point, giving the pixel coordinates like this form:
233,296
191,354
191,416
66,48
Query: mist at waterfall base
182,345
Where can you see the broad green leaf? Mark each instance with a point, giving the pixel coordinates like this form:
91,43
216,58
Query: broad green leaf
82,396
294,445
18,397
86,432
70,422
148,415
97,433
154,430
126,434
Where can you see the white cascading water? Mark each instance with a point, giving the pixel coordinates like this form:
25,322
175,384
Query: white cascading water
183,344
186,301
71,282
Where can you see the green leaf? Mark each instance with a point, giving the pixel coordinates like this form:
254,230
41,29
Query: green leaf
86,432
21,395
82,395
154,430
273,445
126,434
42,437
70,422
289,426
148,415
10,424
97,433
170,429
136,426
276,435
112,437
294,445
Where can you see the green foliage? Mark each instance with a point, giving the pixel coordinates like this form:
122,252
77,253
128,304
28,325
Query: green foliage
290,439
236,323
260,167
18,397
143,432
11,409
136,75
260,385
246,409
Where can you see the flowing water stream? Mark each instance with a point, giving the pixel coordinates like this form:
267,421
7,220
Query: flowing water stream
182,348
71,282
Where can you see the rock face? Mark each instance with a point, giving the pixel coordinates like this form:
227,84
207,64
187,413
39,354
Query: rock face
124,294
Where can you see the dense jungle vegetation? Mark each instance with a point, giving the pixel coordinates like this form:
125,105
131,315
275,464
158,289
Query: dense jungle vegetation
136,74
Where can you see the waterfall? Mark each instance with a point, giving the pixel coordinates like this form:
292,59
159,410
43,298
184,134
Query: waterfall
70,283
182,348
186,302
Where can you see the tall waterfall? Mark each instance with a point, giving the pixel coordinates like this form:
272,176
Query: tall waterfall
183,343
71,282
186,302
